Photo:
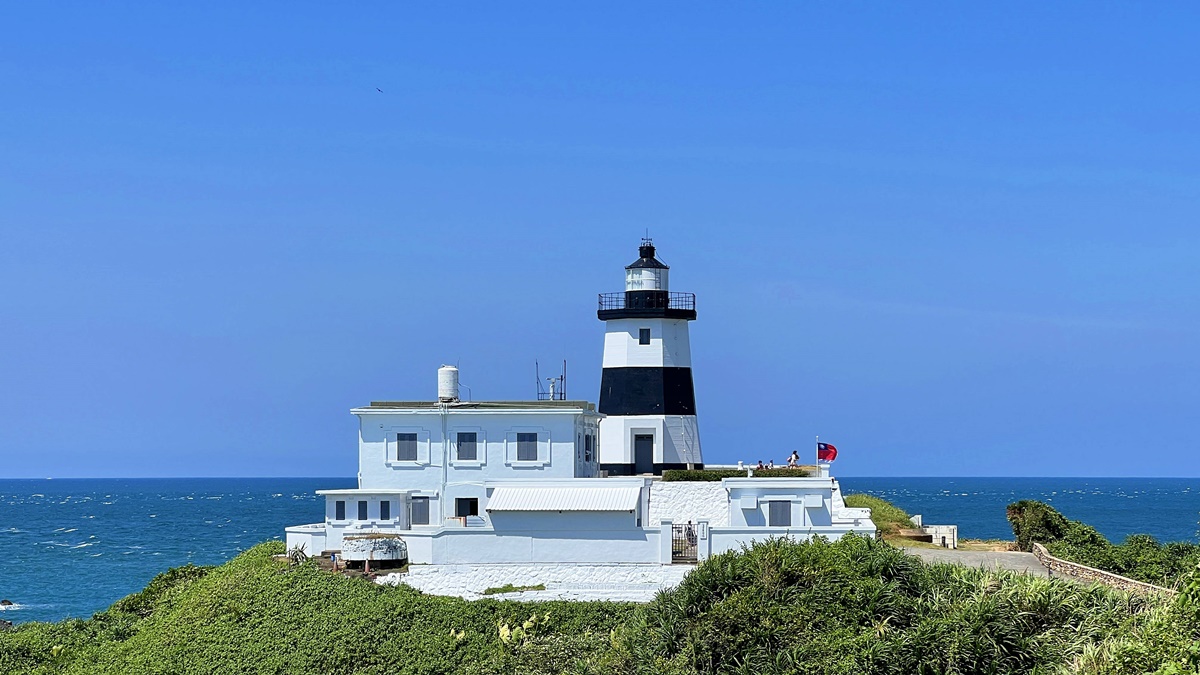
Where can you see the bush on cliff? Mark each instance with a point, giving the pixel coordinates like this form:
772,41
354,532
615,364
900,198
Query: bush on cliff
1139,557
861,606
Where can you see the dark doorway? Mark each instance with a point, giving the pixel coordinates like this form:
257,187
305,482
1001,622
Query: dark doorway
643,454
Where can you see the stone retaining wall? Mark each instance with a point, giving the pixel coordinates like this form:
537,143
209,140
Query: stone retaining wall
1079,572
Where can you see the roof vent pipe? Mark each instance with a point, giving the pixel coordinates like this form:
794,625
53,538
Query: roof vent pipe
447,384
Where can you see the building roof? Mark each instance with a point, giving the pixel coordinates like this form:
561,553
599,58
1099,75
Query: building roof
487,405
646,259
564,499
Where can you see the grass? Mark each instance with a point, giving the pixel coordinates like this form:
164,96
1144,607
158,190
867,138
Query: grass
987,545
509,588
888,517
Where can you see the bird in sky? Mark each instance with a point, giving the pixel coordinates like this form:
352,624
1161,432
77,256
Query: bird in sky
378,90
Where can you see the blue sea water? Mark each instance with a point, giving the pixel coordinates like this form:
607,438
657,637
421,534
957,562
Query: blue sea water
1166,508
69,548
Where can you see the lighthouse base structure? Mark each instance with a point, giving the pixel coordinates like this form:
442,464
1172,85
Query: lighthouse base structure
649,444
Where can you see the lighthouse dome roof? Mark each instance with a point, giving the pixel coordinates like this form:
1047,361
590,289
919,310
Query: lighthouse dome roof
646,259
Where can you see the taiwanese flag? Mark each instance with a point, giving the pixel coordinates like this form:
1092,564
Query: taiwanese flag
826,452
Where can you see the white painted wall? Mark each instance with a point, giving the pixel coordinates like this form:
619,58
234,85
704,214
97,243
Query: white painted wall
733,538
310,538
675,438
681,501
469,581
670,344
485,546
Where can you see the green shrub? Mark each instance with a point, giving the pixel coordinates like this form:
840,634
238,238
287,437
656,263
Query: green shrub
701,474
888,517
781,472
1139,557
717,474
860,606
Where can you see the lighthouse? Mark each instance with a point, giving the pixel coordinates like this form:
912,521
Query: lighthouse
646,388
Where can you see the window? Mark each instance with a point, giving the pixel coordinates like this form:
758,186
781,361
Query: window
466,506
406,447
420,510
527,448
587,448
644,336
779,514
339,510
362,510
466,445
385,510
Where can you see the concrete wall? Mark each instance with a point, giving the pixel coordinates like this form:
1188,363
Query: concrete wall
484,546
311,538
669,343
681,501
810,500
558,454
557,521
734,538
676,438
469,581
399,511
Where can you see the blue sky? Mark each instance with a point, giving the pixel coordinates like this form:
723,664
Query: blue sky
953,240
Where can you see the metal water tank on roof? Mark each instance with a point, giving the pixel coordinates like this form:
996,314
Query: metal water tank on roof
447,384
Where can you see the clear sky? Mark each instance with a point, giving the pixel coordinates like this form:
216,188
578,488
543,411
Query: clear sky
951,240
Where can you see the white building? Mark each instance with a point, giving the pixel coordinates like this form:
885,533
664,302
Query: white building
521,481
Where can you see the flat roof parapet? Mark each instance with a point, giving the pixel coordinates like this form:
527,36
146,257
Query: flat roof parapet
486,405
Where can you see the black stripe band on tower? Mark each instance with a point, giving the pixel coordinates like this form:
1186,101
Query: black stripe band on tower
647,391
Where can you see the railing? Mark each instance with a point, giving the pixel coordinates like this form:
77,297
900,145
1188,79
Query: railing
648,300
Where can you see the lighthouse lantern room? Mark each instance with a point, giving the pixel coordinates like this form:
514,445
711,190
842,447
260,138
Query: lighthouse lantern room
646,387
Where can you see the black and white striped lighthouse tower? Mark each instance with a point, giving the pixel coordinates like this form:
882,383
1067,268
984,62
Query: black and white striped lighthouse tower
646,390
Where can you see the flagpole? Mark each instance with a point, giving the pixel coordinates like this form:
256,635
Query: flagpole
817,464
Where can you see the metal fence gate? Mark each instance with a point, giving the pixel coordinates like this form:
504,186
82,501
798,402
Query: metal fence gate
683,543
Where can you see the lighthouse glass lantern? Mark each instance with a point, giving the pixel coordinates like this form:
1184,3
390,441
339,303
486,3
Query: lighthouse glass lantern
646,278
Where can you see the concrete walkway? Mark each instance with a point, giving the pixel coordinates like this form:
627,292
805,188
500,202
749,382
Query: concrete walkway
1025,563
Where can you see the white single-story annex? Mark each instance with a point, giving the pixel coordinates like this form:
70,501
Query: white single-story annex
464,482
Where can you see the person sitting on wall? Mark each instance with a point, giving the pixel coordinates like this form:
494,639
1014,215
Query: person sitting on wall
760,465
794,460
771,464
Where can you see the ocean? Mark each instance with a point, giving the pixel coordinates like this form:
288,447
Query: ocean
69,548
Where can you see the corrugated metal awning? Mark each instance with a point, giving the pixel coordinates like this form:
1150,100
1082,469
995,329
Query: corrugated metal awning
564,499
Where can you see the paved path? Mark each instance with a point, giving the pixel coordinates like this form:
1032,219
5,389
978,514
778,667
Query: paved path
1014,561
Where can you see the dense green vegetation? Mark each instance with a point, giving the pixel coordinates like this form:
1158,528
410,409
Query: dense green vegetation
701,474
1139,557
717,474
256,614
852,606
888,517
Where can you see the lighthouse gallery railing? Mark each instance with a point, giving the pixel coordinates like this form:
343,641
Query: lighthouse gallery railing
648,300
